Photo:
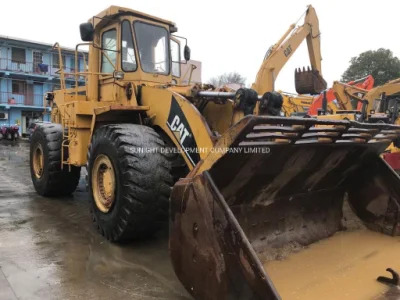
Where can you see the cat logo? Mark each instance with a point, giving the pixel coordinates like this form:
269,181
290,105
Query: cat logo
179,126
179,129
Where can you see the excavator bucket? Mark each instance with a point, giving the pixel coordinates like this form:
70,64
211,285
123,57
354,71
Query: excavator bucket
260,219
309,81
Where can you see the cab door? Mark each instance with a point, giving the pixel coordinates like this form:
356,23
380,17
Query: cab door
108,63
118,57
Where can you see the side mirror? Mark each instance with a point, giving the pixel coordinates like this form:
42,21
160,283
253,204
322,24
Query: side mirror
186,52
87,32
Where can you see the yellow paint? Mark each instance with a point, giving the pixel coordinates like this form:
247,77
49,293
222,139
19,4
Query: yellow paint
295,103
344,266
219,116
103,183
159,102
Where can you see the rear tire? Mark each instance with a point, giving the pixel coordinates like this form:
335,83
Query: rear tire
45,163
129,188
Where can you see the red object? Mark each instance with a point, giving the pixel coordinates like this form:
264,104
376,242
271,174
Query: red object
393,159
367,84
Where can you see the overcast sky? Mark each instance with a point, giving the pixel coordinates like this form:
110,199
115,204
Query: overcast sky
228,35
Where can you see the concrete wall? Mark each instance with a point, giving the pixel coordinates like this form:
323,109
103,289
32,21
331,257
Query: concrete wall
185,72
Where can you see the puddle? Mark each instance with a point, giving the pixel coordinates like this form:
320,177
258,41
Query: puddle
344,266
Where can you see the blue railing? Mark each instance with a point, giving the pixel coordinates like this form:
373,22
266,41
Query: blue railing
21,99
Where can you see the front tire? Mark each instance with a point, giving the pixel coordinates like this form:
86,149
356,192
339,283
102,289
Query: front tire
45,163
129,181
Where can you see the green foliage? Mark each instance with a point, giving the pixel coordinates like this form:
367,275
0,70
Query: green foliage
227,78
381,64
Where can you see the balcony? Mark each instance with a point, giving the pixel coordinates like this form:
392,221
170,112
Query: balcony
21,99
28,67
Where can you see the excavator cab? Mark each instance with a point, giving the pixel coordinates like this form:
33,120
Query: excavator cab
309,81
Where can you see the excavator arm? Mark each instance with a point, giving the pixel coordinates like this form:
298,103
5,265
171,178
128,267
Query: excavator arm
280,53
347,95
351,97
343,96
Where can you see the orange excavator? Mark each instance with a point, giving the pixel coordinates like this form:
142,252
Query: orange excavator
336,103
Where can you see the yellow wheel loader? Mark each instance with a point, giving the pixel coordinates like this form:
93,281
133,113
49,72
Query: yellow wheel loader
266,207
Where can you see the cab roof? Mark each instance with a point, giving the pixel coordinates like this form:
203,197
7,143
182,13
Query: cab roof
117,10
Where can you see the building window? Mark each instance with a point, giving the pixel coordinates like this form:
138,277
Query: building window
18,87
56,60
18,55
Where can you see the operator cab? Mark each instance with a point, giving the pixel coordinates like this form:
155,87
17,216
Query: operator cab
133,46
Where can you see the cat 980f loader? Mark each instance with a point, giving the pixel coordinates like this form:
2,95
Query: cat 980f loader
256,192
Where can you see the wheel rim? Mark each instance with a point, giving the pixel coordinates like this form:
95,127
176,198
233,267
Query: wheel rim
38,161
103,183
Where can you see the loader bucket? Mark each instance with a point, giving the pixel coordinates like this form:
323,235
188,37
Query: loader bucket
309,81
278,191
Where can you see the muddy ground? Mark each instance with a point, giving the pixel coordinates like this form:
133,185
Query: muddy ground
50,250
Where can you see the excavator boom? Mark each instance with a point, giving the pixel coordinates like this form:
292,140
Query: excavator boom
307,81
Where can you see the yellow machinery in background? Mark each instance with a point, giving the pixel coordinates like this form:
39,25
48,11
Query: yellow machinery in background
354,100
353,103
251,197
295,104
378,105
308,81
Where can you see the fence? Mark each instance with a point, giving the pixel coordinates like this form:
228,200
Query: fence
28,67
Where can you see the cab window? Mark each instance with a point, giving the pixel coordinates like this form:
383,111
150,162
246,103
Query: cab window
176,58
128,58
109,47
153,46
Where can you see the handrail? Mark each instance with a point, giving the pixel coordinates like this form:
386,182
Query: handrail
21,99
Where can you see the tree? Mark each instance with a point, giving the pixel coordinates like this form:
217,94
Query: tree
227,78
381,64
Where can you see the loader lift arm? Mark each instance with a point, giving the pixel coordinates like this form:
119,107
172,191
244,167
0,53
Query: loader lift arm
278,55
